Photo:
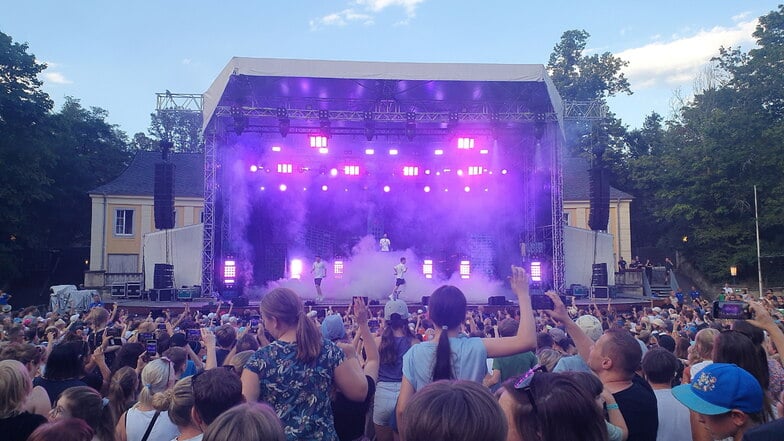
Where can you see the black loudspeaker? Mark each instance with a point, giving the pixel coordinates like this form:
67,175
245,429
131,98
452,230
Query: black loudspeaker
240,302
163,276
162,295
599,275
601,292
425,300
163,195
599,215
496,300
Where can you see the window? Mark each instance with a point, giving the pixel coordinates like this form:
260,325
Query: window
123,222
566,219
201,216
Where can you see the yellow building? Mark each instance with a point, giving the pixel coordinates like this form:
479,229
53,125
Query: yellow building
122,213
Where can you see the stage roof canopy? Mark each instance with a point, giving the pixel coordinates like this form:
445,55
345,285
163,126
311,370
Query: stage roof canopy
260,86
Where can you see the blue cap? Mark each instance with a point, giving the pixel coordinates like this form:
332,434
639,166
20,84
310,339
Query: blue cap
332,327
719,388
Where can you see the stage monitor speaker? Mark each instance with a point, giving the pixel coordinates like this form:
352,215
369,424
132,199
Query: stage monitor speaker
601,292
599,190
496,300
163,276
425,300
163,195
599,275
162,295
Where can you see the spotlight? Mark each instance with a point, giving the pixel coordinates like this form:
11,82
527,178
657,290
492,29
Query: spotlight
351,170
318,141
410,171
284,123
427,171
254,168
229,272
283,187
536,271
333,172
323,150
504,171
466,189
484,151
285,168
324,188
465,143
475,170
295,268
439,152
454,121
370,126
337,269
410,125
276,148
386,189
324,123
465,269
460,172
427,268
427,189
370,152
393,152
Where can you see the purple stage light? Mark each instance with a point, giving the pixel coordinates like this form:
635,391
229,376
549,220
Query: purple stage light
427,171
465,143
427,268
475,170
466,189
262,188
465,269
439,152
484,151
351,170
318,141
229,272
393,152
337,269
370,152
427,189
282,187
254,168
323,150
276,148
324,188
410,170
386,189
285,168
295,268
333,172
504,171
536,271
460,172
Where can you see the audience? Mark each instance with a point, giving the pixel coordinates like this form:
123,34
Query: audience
157,377
86,403
63,429
16,424
660,367
250,421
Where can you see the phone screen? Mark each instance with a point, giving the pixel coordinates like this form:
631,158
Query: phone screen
145,336
373,325
152,348
194,334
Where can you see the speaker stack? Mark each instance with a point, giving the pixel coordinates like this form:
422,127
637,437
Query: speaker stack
599,214
599,280
164,195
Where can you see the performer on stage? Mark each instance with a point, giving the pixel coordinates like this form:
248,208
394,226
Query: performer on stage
319,271
384,243
400,279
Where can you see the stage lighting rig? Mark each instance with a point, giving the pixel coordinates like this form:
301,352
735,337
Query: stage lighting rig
284,123
240,120
410,125
324,123
370,125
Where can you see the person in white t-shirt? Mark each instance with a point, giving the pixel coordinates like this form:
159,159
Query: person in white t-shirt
385,243
400,279
319,271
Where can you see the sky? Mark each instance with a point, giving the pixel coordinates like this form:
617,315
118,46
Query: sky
117,54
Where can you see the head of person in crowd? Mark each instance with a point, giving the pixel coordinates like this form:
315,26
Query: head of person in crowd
727,398
157,376
281,309
447,308
250,421
127,356
591,326
395,323
123,391
214,392
98,318
548,358
66,361
179,358
29,355
86,403
64,429
178,402
248,342
703,343
332,328
225,336
615,356
541,406
240,359
15,386
453,411
667,342
660,367
737,348
544,340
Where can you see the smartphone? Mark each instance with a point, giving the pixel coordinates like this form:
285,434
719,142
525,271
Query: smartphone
162,326
194,334
373,325
151,348
254,325
145,336
113,332
541,301
731,310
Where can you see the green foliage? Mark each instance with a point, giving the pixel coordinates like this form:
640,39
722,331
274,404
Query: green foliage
183,129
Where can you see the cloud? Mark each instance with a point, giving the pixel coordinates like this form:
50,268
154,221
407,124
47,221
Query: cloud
680,60
56,78
186,61
364,12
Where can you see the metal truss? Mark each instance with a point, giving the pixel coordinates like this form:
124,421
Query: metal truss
592,110
210,186
556,207
180,102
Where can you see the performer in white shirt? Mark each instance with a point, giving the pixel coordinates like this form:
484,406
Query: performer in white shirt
400,279
319,271
385,243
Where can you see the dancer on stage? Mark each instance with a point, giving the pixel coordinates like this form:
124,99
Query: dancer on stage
400,279
319,271
385,243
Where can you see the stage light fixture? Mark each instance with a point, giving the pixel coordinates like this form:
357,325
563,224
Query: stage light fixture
240,120
324,123
370,125
370,152
410,171
453,122
438,152
393,152
284,123
276,148
229,272
337,269
465,143
351,170
285,168
323,150
465,269
427,268
283,187
324,188
466,189
460,172
536,271
427,189
495,125
333,172
387,189
484,151
410,125
318,141
254,168
475,170
427,171
504,171
295,269
262,188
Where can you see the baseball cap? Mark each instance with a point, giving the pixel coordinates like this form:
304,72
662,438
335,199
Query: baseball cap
719,388
395,307
659,322
591,326
332,327
557,334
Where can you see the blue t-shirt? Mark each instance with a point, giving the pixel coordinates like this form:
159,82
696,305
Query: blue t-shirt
469,361
572,363
299,393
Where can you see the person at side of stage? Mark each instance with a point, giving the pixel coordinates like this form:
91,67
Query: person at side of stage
385,244
400,279
319,271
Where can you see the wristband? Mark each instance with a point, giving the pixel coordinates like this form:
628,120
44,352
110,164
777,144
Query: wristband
611,406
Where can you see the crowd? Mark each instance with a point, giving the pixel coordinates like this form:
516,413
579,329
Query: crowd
445,373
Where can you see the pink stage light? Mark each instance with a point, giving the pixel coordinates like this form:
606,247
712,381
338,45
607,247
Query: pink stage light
427,189
351,170
333,172
484,151
262,188
439,152
295,269
536,271
504,171
393,152
283,187
276,148
475,170
427,268
465,269
285,168
467,189
427,171
323,150
337,269
387,189
410,171
254,168
318,141
460,172
324,188
465,143
229,272
370,152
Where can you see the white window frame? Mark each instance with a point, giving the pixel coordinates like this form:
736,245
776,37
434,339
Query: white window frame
125,224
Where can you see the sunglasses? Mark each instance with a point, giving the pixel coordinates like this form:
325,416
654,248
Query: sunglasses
524,383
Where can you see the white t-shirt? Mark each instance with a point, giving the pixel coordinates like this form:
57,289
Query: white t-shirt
400,271
697,367
674,422
136,423
384,243
319,270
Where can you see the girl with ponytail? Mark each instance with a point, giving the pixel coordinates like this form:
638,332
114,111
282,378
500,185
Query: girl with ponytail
295,373
86,403
454,356
157,377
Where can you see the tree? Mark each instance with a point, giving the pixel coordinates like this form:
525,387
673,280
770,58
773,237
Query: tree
182,128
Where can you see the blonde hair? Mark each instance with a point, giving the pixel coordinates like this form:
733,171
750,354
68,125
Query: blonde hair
15,386
246,421
239,360
178,401
155,379
703,343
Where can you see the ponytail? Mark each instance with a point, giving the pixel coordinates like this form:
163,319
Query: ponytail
286,307
309,339
442,369
447,307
